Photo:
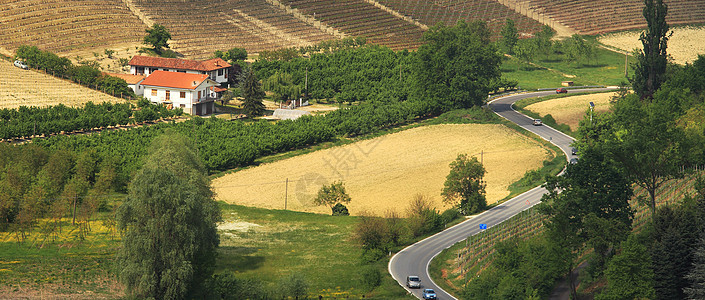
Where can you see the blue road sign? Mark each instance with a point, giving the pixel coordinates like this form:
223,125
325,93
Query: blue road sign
483,226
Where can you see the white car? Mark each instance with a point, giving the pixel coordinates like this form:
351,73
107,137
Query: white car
21,65
413,282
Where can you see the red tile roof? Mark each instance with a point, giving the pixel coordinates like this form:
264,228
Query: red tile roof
175,80
218,89
129,78
177,63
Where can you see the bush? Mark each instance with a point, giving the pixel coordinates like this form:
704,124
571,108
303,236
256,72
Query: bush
371,277
449,215
340,210
294,286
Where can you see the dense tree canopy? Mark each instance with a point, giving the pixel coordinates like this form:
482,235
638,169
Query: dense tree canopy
650,68
169,223
158,37
455,66
464,186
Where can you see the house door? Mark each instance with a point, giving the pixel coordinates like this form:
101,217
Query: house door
199,96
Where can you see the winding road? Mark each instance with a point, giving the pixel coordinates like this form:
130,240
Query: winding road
415,259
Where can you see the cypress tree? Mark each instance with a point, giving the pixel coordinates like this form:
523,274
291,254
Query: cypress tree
650,69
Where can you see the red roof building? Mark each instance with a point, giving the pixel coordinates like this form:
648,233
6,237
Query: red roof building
216,68
191,92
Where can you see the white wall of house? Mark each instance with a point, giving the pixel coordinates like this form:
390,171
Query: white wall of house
220,76
158,95
137,88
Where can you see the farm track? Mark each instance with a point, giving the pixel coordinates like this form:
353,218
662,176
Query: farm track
415,259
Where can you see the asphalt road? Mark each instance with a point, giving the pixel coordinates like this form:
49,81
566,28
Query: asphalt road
414,260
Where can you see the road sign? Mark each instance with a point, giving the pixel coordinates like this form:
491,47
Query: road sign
483,226
592,104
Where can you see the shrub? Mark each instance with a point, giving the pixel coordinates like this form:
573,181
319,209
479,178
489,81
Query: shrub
449,215
294,286
340,210
371,277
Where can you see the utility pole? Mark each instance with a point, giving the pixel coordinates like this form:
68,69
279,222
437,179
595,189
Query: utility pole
482,157
286,193
626,63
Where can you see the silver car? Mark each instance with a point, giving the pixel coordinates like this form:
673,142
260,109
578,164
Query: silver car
21,65
413,282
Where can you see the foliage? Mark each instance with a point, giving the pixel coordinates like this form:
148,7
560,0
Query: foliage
282,85
521,270
294,286
332,194
371,277
227,286
510,36
109,53
455,66
158,37
650,68
578,49
464,186
353,74
629,274
251,90
233,55
525,50
340,210
88,75
422,218
591,198
169,219
696,276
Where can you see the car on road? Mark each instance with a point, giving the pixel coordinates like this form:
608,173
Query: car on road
561,91
20,64
537,122
413,282
573,161
429,294
573,151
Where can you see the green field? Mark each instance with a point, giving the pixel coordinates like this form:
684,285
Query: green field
607,68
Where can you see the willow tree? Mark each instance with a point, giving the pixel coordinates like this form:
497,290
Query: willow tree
169,224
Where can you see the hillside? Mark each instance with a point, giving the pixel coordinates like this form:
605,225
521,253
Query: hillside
30,88
199,28
64,26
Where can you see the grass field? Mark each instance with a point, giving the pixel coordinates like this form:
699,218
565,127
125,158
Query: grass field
31,88
570,110
684,46
385,173
606,69
265,245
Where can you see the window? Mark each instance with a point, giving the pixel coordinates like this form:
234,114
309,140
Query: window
220,72
139,70
181,71
168,97
199,95
182,105
154,92
182,95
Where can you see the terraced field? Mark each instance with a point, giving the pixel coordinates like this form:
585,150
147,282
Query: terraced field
65,26
29,88
199,28
386,172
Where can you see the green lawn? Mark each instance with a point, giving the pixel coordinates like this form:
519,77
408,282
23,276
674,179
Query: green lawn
607,68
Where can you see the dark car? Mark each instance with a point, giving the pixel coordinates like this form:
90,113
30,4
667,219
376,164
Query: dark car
413,282
561,91
429,294
573,151
573,161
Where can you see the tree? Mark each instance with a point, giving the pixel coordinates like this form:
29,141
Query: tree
591,198
509,36
169,224
543,38
158,37
645,141
332,194
232,55
456,65
579,49
282,85
525,50
251,90
696,277
650,67
464,186
629,274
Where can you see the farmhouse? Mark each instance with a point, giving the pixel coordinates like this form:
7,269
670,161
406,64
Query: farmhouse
191,92
133,81
216,68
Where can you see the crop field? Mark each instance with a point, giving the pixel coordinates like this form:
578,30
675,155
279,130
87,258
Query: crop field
30,88
570,110
684,46
386,172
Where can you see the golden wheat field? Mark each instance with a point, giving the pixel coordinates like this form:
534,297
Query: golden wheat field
30,88
385,173
570,110
684,46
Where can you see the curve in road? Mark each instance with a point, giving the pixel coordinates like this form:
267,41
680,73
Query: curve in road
415,259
